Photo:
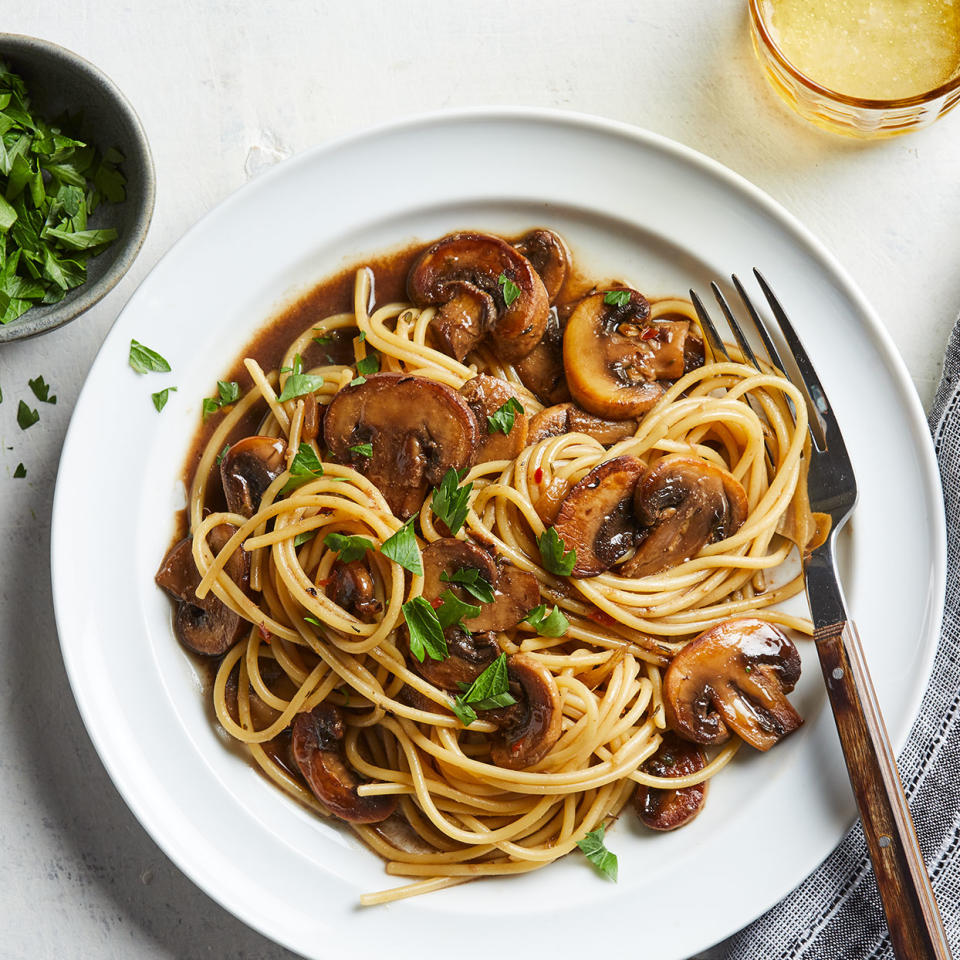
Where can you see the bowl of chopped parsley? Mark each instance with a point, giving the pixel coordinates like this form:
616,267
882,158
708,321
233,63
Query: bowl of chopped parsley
76,186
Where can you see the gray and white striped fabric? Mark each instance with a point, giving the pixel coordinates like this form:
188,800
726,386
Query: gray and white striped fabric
835,913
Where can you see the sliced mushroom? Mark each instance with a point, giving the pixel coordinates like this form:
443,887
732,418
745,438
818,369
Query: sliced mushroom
682,504
206,626
318,752
485,395
417,428
515,592
462,322
569,418
469,655
549,256
663,809
734,676
617,361
596,516
541,370
248,468
351,587
462,262
528,729
312,417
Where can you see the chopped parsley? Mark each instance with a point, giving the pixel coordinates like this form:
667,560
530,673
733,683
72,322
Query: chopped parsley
299,384
41,390
597,853
423,627
451,502
489,691
402,548
511,291
222,453
472,581
306,466
363,449
26,417
145,360
503,417
349,548
453,610
616,298
161,397
20,472
554,625
301,538
228,391
368,364
555,558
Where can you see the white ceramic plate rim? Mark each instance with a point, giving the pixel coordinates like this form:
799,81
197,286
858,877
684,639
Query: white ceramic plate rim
118,751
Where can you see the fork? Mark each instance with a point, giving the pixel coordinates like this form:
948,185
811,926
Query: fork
913,920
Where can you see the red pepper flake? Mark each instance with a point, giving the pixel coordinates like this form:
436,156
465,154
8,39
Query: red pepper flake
650,333
324,582
538,475
599,616
436,602
264,632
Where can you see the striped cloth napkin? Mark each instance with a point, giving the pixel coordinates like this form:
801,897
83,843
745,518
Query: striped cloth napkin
835,914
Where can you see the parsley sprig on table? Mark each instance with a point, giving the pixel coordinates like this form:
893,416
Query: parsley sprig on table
50,184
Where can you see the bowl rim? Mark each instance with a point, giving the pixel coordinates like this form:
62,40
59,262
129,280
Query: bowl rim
867,103
89,293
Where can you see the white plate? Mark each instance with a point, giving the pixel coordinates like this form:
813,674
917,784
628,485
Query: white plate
632,205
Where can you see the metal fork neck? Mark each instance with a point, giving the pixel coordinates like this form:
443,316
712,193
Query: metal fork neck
823,586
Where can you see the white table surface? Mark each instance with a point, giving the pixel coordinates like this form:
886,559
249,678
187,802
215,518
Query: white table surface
225,88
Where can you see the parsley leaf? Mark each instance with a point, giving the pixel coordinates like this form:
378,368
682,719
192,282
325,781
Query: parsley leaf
402,548
301,538
210,405
229,392
426,637
502,418
451,502
222,453
363,449
454,610
26,417
472,581
323,341
306,466
555,558
349,548
555,625
356,381
489,691
510,290
597,853
41,390
616,298
368,364
20,472
160,397
299,384
145,360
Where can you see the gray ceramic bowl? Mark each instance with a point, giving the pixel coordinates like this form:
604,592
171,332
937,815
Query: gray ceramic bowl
57,81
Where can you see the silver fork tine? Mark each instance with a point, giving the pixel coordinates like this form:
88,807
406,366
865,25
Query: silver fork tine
759,327
822,420
734,326
716,342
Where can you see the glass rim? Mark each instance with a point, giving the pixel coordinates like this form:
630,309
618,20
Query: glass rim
916,100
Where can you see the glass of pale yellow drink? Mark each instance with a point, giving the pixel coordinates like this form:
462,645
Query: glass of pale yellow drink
866,68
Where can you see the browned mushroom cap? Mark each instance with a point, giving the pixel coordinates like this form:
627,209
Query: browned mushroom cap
462,322
617,361
515,592
206,626
734,676
596,516
469,655
318,752
478,260
569,418
549,256
529,728
681,504
662,809
418,429
485,396
247,469
351,587
541,370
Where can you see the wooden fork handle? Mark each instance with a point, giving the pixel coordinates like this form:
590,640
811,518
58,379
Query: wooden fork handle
916,929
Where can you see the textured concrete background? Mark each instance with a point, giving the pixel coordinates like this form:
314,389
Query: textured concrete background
227,87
